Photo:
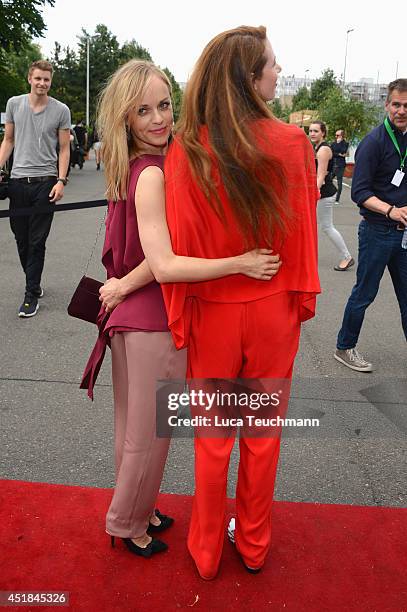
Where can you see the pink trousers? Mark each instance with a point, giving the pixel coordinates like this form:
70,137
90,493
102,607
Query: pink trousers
139,359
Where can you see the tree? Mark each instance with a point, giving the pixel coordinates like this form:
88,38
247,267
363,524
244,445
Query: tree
321,87
355,117
279,111
131,50
104,50
13,75
276,108
19,63
69,80
176,94
105,56
301,100
67,85
20,20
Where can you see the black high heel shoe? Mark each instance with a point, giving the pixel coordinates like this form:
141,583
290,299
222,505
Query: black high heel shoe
155,546
166,521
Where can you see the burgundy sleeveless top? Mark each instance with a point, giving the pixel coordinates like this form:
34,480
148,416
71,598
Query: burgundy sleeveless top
142,310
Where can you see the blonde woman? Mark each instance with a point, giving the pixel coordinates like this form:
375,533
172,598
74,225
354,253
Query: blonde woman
134,122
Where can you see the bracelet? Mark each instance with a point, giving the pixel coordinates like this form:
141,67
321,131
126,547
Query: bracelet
389,211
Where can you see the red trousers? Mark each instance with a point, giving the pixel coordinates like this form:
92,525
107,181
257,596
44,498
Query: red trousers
256,339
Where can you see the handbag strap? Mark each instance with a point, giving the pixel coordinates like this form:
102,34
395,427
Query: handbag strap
95,243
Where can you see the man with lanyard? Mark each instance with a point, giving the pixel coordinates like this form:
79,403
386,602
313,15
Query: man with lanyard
379,187
35,125
340,150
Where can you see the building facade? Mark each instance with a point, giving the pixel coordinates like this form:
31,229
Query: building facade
365,90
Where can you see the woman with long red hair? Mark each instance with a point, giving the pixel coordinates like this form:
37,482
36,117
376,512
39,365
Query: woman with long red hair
236,178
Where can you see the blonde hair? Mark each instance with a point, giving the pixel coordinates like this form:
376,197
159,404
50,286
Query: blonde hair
41,65
121,95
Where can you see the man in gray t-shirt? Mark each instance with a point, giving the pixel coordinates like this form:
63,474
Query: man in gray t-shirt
36,126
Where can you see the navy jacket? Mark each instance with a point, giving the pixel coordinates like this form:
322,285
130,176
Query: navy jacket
339,147
376,161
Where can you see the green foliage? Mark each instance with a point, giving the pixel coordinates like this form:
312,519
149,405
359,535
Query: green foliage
357,118
68,85
320,89
14,71
337,109
131,50
104,51
20,20
301,100
19,63
276,108
279,111
176,93
105,56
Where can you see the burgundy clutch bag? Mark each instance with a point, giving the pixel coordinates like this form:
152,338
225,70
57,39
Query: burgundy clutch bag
85,303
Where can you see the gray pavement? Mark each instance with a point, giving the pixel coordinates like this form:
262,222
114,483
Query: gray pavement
51,432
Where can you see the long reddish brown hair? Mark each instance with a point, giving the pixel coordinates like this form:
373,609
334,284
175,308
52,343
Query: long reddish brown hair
221,95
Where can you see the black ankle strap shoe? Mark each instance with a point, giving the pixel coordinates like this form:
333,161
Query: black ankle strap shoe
166,521
155,546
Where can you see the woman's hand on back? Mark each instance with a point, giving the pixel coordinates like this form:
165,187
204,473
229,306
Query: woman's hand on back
259,264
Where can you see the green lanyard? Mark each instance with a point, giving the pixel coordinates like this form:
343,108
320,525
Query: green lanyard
396,144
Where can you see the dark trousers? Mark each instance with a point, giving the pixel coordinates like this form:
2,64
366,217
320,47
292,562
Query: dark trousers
379,247
338,171
31,231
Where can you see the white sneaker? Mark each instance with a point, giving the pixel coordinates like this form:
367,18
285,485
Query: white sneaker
231,536
231,530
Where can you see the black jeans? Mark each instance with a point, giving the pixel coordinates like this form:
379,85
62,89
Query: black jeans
338,171
31,231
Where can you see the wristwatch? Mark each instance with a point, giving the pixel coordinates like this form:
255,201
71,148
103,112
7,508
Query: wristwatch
62,180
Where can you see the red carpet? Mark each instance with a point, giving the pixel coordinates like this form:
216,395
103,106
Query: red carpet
324,557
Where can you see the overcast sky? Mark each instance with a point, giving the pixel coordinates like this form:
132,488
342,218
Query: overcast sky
309,34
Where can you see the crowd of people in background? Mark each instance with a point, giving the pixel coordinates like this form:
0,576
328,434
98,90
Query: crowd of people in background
82,144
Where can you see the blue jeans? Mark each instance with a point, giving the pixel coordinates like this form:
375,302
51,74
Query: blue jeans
379,246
